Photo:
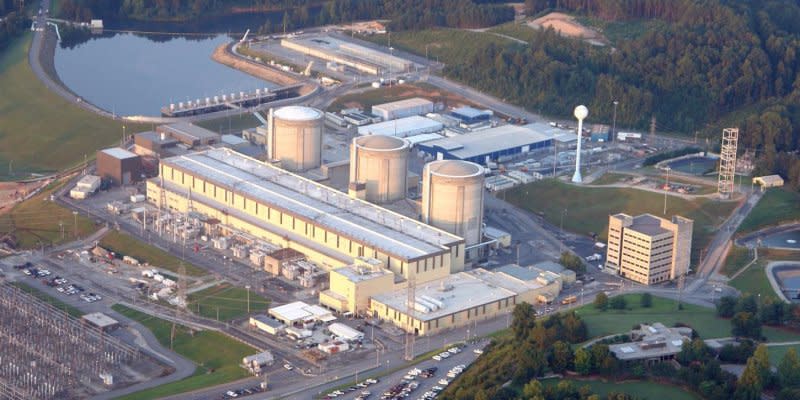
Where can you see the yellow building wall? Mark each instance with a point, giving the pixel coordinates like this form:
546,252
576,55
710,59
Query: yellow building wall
438,266
358,294
447,322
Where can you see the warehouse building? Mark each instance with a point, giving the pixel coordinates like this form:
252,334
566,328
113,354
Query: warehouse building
471,116
648,249
403,108
277,206
457,300
119,166
349,54
494,144
402,127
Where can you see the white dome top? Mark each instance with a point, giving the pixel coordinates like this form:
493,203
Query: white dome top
454,168
297,113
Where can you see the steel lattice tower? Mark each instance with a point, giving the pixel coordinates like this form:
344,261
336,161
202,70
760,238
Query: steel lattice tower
727,162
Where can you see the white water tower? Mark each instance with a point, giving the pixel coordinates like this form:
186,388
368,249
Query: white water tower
581,112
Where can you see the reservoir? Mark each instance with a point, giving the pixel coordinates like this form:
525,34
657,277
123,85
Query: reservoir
788,239
137,74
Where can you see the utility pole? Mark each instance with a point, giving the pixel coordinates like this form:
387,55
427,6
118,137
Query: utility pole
75,218
248,300
653,130
614,124
666,189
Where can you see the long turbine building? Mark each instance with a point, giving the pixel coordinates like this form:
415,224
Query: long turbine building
328,226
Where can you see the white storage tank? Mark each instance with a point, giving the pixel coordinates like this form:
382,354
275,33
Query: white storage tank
452,198
294,137
381,164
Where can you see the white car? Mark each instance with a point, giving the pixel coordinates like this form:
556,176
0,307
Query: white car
454,350
478,351
288,367
443,382
444,354
437,358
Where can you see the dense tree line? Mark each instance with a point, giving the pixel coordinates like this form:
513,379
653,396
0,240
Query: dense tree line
404,14
747,315
709,59
12,21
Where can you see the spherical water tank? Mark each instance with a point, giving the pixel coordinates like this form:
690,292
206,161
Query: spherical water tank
452,198
381,163
295,137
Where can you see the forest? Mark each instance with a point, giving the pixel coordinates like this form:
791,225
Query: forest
12,21
513,364
736,60
404,14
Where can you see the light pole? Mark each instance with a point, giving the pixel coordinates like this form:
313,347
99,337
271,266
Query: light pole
581,112
248,298
666,189
75,218
614,123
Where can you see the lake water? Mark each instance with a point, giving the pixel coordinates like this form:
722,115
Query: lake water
694,165
788,239
133,75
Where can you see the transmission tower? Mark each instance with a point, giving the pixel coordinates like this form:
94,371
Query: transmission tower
727,162
410,301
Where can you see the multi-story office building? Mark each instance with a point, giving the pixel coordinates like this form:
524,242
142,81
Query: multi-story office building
648,249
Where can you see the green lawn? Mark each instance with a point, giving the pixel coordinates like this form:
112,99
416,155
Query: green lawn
776,353
638,389
754,280
737,259
37,220
229,301
777,205
610,178
127,245
27,288
216,355
40,131
588,208
701,319
450,45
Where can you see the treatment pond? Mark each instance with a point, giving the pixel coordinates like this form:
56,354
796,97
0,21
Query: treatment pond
130,74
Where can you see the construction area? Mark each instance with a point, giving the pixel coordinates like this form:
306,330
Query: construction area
46,354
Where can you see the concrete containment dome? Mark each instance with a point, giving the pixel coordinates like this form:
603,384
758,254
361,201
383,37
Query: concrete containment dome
452,198
294,137
381,164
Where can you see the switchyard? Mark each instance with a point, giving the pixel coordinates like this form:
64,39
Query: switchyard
46,354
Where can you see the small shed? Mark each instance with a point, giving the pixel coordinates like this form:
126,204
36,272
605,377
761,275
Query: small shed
266,324
101,321
345,332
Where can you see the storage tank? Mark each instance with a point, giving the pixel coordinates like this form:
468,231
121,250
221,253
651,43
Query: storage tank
452,198
294,137
381,164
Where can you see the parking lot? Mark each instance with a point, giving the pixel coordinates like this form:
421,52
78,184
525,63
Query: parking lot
423,380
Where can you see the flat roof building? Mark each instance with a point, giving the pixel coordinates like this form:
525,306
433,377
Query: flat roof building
403,108
360,58
768,181
652,343
119,166
470,115
326,225
352,286
266,324
457,300
300,312
402,127
101,321
189,134
648,249
487,145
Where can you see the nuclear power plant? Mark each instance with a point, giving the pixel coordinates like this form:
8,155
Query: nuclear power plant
294,137
379,168
452,198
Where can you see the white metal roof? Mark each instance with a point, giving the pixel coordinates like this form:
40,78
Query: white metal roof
328,208
119,153
462,291
296,311
490,141
424,137
345,332
403,104
402,127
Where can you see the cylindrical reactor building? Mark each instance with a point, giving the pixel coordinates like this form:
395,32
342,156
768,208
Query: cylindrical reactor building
294,137
452,198
381,164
